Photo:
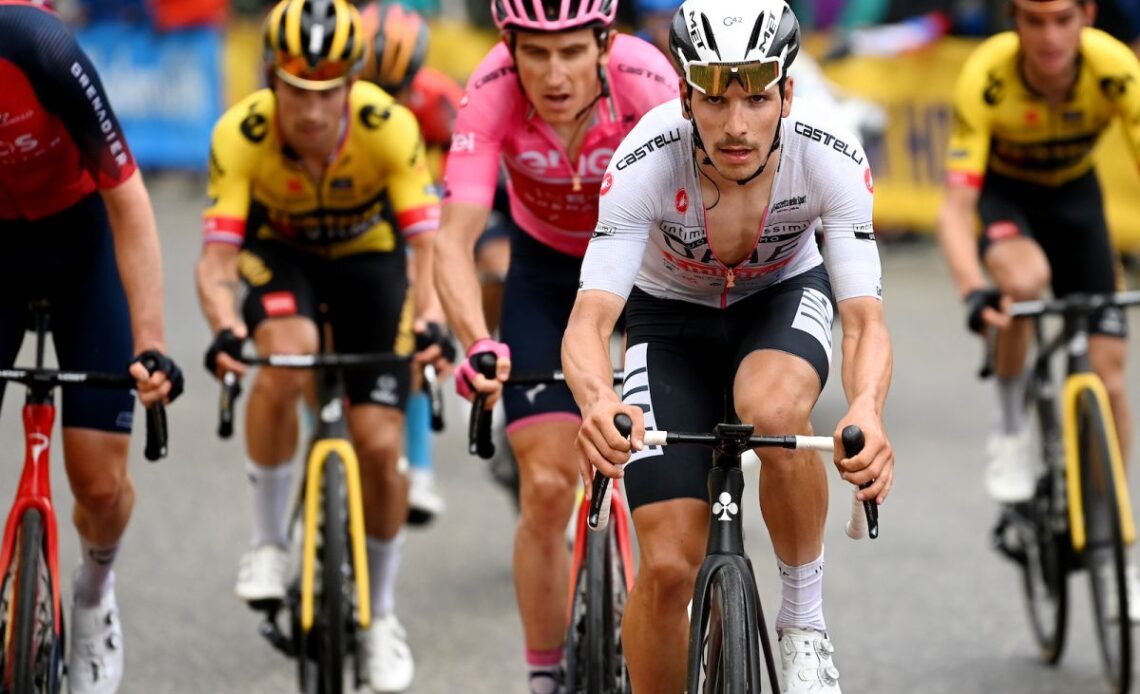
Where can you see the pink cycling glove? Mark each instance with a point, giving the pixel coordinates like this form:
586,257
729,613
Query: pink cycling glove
465,373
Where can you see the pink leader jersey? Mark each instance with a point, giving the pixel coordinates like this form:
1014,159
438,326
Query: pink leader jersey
551,200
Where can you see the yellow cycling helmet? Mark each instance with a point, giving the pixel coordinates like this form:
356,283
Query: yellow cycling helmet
314,44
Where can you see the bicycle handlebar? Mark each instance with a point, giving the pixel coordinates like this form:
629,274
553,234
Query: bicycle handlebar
479,441
864,518
1073,303
231,385
157,433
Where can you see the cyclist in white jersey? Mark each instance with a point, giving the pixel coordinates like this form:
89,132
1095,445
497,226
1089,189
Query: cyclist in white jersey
705,238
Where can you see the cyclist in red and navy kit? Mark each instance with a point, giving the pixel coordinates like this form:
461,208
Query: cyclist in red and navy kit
78,230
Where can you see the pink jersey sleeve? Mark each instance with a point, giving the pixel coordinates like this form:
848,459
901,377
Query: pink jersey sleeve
482,123
643,77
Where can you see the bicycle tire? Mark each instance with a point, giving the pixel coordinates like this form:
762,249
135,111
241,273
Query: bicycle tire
1044,571
1104,550
725,658
35,651
333,602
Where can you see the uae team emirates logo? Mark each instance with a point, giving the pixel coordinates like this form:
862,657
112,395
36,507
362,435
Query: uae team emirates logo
607,183
681,201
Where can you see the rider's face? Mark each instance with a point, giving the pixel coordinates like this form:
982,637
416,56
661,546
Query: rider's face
310,119
738,129
559,72
1050,40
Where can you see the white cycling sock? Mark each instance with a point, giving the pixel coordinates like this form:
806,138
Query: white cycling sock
544,671
270,489
383,566
95,576
1011,403
801,605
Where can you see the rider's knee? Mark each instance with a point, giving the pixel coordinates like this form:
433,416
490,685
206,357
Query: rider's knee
280,385
103,493
784,415
547,495
667,575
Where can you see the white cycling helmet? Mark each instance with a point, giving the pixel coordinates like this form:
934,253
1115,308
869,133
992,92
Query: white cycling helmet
716,42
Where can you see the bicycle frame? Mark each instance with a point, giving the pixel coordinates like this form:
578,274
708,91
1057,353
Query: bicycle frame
331,436
34,489
622,534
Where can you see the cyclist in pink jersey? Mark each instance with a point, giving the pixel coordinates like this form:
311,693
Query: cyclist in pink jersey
550,104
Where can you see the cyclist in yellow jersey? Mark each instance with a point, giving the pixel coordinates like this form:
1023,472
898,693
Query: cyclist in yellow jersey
1029,108
318,185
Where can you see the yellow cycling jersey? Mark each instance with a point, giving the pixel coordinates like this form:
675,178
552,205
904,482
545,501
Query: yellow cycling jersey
1004,126
376,182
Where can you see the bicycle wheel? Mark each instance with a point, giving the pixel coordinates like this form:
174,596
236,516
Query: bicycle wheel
334,595
1044,571
724,660
33,656
1104,551
594,662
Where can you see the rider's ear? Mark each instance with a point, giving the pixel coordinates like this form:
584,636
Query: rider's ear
686,96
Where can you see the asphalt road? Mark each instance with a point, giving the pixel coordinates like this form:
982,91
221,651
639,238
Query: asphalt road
928,608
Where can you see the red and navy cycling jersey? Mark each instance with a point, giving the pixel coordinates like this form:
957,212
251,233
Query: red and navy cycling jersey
59,138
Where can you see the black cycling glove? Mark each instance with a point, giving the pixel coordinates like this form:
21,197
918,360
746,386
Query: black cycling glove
153,360
977,301
436,334
225,342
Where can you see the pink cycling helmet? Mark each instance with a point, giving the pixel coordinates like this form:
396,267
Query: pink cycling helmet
552,15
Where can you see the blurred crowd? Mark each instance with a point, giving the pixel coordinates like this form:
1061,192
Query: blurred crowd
859,25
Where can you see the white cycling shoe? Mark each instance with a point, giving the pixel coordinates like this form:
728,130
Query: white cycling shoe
806,656
1011,476
261,574
424,500
95,651
388,660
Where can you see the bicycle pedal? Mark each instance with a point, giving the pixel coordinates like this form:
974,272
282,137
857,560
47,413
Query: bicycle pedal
270,605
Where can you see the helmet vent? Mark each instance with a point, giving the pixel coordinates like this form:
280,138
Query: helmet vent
709,35
754,39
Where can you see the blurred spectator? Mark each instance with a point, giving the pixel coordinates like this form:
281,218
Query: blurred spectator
653,19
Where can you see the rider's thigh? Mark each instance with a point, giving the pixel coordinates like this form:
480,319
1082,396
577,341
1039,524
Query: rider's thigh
96,465
671,537
775,391
548,468
1018,267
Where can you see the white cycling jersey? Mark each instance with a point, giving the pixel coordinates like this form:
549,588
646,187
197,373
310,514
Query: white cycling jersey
651,226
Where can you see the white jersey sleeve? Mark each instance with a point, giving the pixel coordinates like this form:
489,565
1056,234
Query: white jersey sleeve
628,207
846,189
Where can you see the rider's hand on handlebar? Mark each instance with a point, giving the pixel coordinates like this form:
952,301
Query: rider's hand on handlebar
600,444
875,463
159,380
434,346
225,351
469,381
985,307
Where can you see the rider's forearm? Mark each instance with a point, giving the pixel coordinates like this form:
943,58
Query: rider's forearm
139,259
217,280
426,298
458,287
960,246
867,365
586,363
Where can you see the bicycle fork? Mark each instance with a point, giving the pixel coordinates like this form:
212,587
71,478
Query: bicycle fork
1074,385
315,466
34,491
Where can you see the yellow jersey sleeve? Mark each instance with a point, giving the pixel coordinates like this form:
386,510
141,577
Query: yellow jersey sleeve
234,150
968,153
398,145
1118,73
